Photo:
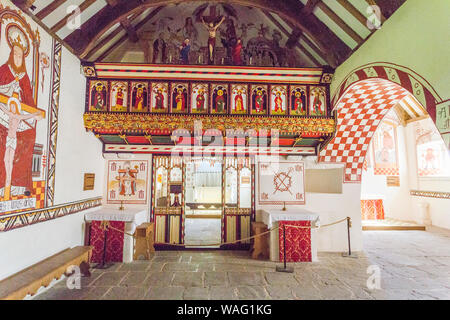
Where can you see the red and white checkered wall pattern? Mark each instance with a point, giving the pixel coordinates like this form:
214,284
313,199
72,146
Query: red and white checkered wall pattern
359,112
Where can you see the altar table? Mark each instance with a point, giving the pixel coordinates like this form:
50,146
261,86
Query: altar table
119,247
301,244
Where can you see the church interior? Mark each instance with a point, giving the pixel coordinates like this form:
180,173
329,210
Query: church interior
224,150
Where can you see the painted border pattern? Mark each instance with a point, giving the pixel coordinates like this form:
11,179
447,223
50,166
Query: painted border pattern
430,194
19,220
53,123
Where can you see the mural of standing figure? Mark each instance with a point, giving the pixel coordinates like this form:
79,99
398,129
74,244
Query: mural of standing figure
212,29
17,119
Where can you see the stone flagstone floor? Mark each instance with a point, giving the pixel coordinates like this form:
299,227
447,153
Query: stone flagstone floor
412,264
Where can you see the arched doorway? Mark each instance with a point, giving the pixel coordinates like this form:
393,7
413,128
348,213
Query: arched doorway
361,113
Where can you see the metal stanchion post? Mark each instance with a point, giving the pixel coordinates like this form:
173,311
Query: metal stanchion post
284,268
103,264
349,254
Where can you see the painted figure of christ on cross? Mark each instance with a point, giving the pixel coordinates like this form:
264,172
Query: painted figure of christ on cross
212,29
18,116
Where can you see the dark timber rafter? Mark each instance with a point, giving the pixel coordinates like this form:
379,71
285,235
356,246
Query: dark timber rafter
61,23
49,9
293,38
84,39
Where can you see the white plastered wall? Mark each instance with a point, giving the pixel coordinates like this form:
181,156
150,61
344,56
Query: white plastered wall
331,208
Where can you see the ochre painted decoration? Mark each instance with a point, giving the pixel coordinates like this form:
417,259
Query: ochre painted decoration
259,99
115,123
281,183
179,95
317,101
89,181
118,96
219,98
372,209
239,99
385,150
298,103
98,95
24,103
298,241
199,98
139,96
279,100
159,98
127,181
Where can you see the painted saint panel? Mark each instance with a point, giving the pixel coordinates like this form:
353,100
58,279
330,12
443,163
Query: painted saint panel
139,97
199,98
384,145
127,181
219,98
298,105
26,100
281,182
259,99
317,101
278,100
160,97
179,93
239,99
98,95
119,96
433,159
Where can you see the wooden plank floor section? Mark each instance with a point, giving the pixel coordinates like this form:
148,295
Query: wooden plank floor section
391,224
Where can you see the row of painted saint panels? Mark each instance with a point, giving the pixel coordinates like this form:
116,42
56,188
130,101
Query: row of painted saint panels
205,98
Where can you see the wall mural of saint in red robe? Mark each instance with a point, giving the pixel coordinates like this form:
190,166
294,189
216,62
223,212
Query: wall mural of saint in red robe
19,116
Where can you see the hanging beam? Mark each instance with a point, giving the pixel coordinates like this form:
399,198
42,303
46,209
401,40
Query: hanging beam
61,23
49,9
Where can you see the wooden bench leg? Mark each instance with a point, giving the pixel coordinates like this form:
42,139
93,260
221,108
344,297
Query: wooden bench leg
84,268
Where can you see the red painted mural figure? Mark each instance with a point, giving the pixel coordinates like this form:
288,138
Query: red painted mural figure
200,101
119,98
139,105
17,130
278,103
298,103
259,101
238,102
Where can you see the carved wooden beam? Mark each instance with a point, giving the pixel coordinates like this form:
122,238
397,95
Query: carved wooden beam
83,40
61,23
310,6
49,9
341,23
131,31
124,38
293,38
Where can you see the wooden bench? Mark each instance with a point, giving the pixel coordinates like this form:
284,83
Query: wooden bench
260,248
144,235
29,280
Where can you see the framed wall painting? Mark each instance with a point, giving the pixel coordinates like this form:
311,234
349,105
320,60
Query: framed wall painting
199,98
384,144
219,98
239,99
317,101
298,103
98,95
118,97
139,96
279,100
179,97
281,182
127,181
159,97
259,100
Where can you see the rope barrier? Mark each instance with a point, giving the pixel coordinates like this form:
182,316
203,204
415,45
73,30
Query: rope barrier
105,224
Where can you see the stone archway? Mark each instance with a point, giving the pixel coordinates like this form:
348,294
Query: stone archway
359,111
